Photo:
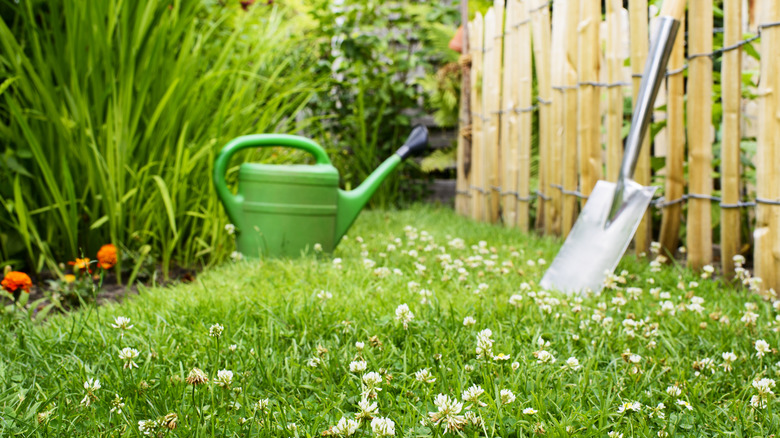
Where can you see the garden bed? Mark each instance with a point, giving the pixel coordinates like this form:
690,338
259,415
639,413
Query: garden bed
421,319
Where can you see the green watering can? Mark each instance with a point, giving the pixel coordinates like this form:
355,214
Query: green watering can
282,210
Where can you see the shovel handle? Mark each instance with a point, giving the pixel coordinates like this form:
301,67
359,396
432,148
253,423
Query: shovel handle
652,78
673,8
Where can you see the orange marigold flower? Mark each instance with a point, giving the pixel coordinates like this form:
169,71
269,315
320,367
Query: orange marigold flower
80,264
15,280
107,256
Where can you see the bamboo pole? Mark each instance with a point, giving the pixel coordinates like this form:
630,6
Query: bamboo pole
540,16
675,157
491,89
558,62
637,13
589,114
570,152
699,230
478,183
462,203
614,116
767,232
731,89
525,102
510,135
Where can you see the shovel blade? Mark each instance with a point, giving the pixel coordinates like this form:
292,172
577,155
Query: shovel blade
593,248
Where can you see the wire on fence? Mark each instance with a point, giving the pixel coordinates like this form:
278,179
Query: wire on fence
576,193
661,202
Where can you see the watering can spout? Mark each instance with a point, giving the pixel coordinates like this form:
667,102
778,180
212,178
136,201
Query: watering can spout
351,202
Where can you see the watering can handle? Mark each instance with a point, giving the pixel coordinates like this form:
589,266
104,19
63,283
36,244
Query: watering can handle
233,202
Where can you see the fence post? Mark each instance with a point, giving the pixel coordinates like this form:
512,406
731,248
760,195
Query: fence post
464,131
558,62
491,89
540,15
570,146
637,12
509,164
767,232
589,109
525,102
731,91
698,227
675,154
614,119
478,185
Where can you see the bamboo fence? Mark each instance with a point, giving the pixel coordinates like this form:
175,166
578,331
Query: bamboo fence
573,64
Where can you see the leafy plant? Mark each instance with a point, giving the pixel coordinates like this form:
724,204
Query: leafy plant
374,52
112,112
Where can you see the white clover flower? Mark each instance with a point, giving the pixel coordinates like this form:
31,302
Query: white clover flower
573,363
366,410
317,247
473,419
684,404
764,386
371,383
357,366
424,376
403,314
236,256
635,358
762,347
484,344
91,385
728,359
613,434
224,378
230,228
448,414
122,323
544,356
739,260
516,300
472,395
128,355
346,427
515,366
382,426
324,295
262,405
359,345
529,411
469,321
758,402
506,396
337,262
657,411
313,362
629,406
292,427
215,331
674,390
368,263
117,404
749,318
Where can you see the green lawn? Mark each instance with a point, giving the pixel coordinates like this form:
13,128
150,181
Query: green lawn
307,340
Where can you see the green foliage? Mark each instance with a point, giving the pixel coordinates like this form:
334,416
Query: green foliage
287,341
111,114
373,51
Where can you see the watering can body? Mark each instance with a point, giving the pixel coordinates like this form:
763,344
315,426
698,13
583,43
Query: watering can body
285,210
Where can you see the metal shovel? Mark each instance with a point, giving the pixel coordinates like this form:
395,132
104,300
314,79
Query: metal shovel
613,211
